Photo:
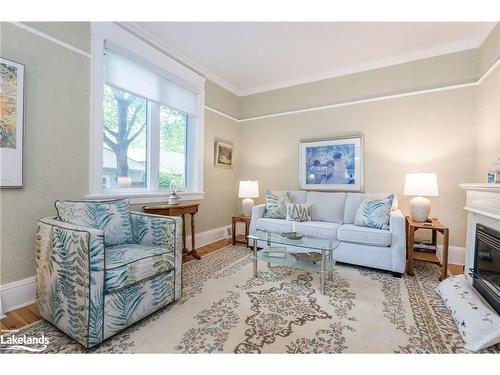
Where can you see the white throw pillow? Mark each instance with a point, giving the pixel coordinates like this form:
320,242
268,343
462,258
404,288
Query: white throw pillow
478,325
298,212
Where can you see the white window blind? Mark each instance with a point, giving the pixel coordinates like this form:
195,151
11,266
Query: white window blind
129,76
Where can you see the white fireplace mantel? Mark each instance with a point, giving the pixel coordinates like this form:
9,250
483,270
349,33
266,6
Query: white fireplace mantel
483,207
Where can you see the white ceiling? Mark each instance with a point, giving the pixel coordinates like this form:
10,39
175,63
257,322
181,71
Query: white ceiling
251,57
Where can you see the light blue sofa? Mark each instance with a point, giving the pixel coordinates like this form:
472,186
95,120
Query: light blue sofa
101,268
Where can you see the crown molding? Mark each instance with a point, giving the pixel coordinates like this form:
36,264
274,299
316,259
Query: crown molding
164,47
460,46
463,45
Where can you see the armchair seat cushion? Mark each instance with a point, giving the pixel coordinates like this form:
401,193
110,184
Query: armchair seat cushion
131,263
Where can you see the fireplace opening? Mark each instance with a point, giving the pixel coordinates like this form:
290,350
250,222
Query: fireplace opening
486,271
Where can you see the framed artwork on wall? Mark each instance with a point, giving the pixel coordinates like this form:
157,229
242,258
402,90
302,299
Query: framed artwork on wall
224,153
332,164
11,123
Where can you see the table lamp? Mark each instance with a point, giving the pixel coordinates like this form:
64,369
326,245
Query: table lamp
421,185
248,190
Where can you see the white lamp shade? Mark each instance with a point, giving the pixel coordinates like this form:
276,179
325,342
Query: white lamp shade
421,184
249,189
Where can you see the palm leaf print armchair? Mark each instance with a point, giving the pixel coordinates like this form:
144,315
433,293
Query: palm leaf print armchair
101,268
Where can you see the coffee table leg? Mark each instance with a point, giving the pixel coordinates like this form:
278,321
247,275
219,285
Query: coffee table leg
332,264
323,271
255,258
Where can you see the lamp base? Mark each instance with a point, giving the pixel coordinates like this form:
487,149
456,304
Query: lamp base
247,205
420,208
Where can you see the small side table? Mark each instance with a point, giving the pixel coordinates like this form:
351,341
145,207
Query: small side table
241,219
411,227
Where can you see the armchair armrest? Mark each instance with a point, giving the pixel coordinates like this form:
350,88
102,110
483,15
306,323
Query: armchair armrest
163,231
257,213
70,278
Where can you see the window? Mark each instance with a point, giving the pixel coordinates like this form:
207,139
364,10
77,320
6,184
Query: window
148,120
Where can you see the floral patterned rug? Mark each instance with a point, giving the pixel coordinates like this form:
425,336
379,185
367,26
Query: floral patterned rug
225,310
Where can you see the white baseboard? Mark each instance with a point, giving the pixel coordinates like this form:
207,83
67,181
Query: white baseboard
17,294
212,235
456,254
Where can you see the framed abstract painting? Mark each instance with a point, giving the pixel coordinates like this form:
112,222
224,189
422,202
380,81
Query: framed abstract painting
333,164
11,123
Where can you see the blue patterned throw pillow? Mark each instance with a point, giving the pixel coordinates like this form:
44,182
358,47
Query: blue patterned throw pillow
111,216
275,205
375,213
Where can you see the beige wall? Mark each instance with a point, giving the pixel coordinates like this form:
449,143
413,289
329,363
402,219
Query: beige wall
57,143
57,124
433,132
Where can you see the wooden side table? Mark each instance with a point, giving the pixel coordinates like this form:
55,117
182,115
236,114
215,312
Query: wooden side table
181,210
239,219
411,227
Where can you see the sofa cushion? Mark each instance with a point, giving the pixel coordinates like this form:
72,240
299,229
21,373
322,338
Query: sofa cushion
364,235
276,205
321,229
274,225
374,213
298,212
128,264
327,206
111,216
352,202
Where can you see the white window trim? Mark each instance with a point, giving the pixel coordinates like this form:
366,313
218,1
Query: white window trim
102,31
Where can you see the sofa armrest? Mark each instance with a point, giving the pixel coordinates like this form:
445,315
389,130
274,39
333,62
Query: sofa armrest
257,213
397,227
163,231
70,278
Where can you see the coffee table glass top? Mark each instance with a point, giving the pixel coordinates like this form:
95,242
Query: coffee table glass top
309,242
308,253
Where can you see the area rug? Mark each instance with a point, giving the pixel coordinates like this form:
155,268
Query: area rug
226,310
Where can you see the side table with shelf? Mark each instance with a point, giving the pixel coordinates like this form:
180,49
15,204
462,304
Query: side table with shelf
435,226
241,219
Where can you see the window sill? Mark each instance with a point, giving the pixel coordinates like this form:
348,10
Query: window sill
154,197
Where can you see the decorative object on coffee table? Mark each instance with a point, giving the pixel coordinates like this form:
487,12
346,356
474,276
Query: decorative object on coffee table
292,235
334,163
240,219
181,210
411,227
421,185
248,190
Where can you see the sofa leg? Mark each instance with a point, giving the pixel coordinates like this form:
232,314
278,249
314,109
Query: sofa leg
397,274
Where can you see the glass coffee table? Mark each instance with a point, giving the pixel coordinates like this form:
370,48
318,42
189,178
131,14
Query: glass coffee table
308,253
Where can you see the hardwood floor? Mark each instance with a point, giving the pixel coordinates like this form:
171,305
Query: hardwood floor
28,314
25,315
19,318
